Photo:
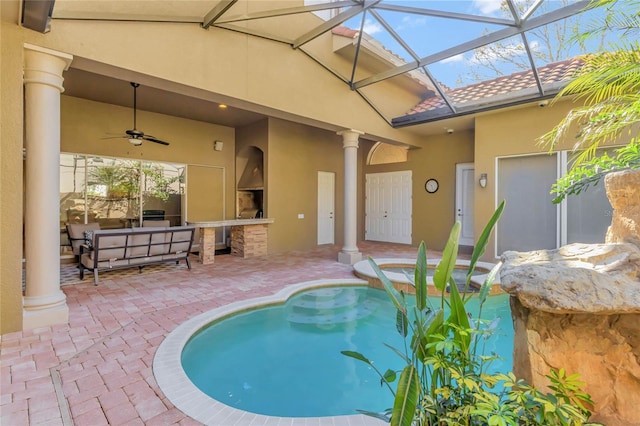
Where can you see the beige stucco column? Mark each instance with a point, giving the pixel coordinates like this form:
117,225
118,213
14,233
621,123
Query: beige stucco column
44,303
350,253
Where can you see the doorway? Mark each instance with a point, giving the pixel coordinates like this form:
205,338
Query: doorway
465,188
326,207
388,207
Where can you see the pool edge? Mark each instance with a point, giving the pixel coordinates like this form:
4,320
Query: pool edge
185,396
364,270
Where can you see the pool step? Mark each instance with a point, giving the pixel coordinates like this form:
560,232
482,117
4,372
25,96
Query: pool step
330,306
326,300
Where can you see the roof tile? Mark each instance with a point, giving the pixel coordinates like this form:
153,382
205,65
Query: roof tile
551,73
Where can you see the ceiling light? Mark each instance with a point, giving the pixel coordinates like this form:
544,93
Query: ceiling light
222,106
135,141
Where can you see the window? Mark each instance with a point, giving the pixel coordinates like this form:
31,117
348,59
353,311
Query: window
116,192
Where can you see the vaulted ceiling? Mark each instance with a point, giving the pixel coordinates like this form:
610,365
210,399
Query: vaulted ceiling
437,59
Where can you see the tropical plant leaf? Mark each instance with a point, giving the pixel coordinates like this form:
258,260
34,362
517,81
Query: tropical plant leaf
483,240
487,284
459,318
395,295
380,416
402,323
356,355
400,354
430,335
446,265
389,376
406,400
420,280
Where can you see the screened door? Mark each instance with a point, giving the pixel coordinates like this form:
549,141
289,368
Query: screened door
530,219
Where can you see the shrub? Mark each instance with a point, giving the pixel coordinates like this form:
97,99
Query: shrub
446,379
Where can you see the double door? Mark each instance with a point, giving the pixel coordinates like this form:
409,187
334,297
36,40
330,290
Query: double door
388,207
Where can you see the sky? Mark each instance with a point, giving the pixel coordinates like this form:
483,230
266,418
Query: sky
427,35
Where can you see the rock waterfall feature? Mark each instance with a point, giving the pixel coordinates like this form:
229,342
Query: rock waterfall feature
578,308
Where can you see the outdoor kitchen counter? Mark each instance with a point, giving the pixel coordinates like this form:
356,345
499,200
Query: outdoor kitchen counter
248,237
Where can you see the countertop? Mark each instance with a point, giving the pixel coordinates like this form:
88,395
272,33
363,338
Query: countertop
231,222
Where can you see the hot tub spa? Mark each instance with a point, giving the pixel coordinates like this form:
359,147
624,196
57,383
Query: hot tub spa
398,272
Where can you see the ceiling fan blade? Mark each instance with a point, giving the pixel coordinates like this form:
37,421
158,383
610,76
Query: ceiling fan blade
134,135
155,140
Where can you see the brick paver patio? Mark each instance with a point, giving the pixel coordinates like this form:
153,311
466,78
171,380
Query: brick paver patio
97,370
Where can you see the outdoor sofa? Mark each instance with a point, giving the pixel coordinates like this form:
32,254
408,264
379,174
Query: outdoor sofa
106,249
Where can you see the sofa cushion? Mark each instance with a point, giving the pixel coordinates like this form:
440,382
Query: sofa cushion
76,234
138,245
180,241
156,223
157,246
110,247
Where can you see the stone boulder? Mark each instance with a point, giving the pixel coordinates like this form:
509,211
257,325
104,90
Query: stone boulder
578,308
623,190
577,278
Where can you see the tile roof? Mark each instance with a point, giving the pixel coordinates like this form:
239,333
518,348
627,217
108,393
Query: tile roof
344,31
549,74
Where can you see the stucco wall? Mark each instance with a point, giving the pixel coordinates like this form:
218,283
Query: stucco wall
11,169
433,214
505,133
296,154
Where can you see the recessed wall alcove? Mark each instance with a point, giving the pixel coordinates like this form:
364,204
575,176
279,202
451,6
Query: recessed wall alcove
250,182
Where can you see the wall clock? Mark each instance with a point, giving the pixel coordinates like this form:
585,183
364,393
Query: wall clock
431,186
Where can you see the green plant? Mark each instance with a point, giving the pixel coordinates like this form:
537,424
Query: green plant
609,85
446,379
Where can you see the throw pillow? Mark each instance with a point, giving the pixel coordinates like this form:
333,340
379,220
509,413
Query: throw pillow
88,238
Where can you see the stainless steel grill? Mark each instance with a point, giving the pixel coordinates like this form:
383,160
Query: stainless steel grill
250,214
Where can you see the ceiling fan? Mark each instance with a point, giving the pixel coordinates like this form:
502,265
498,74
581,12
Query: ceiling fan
134,135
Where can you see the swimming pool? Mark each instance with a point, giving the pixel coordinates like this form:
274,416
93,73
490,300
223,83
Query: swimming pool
264,371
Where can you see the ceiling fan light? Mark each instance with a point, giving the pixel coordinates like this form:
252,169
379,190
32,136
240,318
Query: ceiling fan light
135,141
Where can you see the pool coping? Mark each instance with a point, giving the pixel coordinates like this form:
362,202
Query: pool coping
184,395
364,270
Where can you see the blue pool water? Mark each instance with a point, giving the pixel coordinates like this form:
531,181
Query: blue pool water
285,360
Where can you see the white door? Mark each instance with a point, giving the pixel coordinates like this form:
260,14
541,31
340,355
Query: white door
326,207
388,207
465,184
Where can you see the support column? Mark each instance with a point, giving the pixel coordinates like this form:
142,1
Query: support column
350,253
44,303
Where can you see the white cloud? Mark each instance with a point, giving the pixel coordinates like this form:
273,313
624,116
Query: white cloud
487,6
456,58
371,27
411,22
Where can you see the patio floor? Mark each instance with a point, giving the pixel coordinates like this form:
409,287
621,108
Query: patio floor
96,370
